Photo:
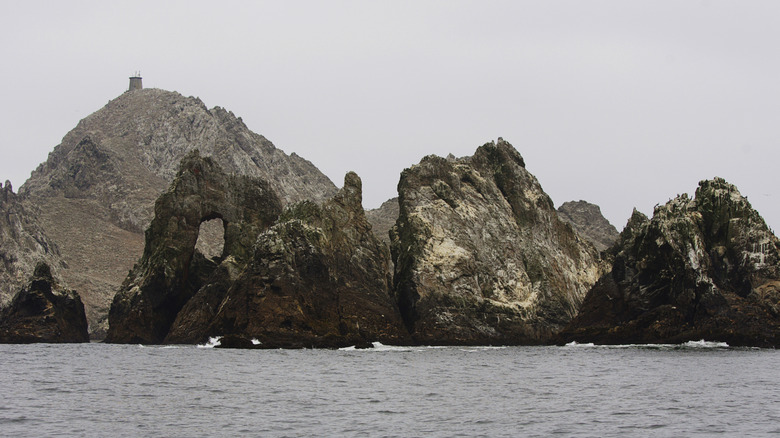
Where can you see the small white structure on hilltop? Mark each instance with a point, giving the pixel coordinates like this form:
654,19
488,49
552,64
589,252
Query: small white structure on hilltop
135,82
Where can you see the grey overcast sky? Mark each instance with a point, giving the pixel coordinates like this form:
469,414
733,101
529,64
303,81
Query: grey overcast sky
621,103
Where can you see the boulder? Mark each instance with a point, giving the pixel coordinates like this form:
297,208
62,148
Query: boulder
44,312
703,268
480,254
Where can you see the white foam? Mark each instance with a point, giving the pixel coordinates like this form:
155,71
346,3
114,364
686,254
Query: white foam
705,344
577,344
701,344
478,348
378,346
213,342
255,341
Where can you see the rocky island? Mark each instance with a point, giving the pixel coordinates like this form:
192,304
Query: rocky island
175,223
701,268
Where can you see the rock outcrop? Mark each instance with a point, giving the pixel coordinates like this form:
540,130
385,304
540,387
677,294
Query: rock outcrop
702,268
480,254
23,244
318,278
170,271
96,191
44,311
589,223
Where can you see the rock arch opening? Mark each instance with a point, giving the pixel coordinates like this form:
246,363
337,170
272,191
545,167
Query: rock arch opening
211,237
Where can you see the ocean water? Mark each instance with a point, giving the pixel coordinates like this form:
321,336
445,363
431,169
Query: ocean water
578,390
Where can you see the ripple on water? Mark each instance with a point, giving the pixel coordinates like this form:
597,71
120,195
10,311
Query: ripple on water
97,389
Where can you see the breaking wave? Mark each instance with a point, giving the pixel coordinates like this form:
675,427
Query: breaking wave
212,342
690,345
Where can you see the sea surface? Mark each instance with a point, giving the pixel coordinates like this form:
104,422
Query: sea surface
101,390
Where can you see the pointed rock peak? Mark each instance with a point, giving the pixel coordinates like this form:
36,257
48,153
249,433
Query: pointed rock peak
42,272
716,184
353,181
589,223
633,227
637,219
352,192
498,153
7,191
719,189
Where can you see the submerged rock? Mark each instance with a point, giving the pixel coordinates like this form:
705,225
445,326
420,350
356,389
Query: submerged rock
318,278
480,254
589,223
702,268
44,312
170,271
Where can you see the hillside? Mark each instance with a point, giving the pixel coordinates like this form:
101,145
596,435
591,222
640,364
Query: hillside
95,193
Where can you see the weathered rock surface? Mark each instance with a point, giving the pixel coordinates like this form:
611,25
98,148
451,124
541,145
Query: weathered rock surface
22,244
318,278
480,254
702,268
43,311
96,192
170,271
382,219
589,223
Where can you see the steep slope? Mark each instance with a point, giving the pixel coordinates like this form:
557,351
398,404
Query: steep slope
96,191
171,271
480,254
23,244
383,218
702,268
587,220
318,278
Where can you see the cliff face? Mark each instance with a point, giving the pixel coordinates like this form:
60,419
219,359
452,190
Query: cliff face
43,311
96,191
170,271
702,268
589,223
23,244
319,277
480,254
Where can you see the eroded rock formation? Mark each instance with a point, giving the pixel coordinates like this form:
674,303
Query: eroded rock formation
480,254
318,278
44,311
170,272
96,191
702,268
589,223
22,244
